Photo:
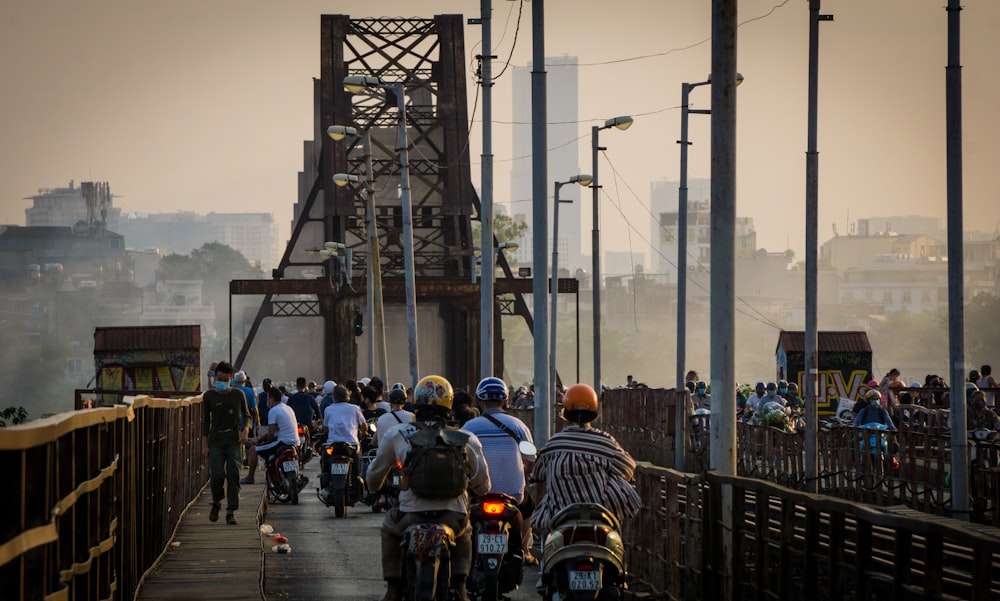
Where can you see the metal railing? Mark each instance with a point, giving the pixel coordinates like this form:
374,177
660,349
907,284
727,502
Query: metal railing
95,496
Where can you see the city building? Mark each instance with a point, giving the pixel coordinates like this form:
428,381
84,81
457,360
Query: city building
57,254
68,207
663,204
255,235
563,161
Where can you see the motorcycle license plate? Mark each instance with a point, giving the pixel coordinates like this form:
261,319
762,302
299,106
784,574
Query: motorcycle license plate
302,440
584,581
492,544
290,466
395,480
339,469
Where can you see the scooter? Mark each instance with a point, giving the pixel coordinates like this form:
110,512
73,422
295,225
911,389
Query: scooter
497,556
340,485
305,445
583,556
981,458
282,476
427,548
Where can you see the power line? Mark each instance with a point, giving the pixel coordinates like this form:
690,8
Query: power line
667,52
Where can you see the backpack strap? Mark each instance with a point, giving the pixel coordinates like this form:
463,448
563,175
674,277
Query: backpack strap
393,413
503,427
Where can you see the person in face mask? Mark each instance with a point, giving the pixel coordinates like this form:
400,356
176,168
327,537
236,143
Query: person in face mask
873,413
981,416
225,426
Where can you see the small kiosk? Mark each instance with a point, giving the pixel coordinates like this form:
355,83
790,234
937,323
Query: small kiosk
147,359
844,362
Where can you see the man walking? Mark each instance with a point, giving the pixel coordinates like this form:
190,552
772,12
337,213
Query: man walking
225,422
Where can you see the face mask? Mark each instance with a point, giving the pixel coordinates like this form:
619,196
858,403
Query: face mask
873,403
979,404
783,391
222,386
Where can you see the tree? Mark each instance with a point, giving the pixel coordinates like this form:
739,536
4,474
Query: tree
505,229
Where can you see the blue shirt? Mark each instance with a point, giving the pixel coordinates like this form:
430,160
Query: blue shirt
305,407
500,450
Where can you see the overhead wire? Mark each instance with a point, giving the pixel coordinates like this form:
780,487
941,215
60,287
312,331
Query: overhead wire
768,321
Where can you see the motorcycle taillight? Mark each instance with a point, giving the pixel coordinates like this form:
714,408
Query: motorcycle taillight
493,508
300,428
597,535
328,450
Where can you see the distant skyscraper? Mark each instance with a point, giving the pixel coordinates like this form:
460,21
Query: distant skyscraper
564,133
663,204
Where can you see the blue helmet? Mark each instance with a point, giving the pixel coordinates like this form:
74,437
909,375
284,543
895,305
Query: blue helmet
491,389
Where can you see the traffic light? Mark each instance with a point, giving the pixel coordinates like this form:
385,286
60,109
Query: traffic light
358,325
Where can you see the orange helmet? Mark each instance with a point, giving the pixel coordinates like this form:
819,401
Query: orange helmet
580,397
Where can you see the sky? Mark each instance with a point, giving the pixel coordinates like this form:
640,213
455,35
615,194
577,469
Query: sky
202,105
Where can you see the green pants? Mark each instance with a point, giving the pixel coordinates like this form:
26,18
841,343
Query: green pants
224,464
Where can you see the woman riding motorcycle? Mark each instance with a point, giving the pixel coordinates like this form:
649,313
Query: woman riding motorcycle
582,464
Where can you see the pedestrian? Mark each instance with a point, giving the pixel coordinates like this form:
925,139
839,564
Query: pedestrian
225,425
986,380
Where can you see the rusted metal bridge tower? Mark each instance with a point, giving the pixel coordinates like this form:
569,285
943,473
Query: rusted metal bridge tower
428,57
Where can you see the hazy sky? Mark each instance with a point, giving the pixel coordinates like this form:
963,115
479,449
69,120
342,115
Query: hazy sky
203,105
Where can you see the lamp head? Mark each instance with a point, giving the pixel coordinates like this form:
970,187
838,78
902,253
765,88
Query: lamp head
327,253
355,84
584,179
508,246
334,246
621,123
342,179
339,132
739,78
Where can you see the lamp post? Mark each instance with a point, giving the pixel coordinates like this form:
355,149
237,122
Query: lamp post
621,123
682,229
356,84
583,180
374,305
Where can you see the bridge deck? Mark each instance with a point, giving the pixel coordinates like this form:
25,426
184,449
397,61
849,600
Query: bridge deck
208,560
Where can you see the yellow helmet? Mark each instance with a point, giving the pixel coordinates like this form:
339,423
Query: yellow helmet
433,390
873,395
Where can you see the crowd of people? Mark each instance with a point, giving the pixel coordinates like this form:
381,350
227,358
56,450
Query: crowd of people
580,464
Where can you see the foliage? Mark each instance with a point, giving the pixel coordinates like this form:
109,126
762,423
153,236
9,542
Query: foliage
982,329
505,229
215,264
13,415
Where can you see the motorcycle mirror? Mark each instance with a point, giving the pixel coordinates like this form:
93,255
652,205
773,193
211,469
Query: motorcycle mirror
527,448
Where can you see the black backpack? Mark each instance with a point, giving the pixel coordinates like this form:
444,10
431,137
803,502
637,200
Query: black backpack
435,467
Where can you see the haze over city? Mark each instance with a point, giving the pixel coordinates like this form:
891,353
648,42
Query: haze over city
203,106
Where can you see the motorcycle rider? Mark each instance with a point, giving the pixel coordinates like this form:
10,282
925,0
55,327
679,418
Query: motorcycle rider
282,431
873,412
500,434
344,422
396,415
432,402
981,416
582,464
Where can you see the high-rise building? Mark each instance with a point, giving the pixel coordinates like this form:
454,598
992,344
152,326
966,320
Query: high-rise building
563,140
663,203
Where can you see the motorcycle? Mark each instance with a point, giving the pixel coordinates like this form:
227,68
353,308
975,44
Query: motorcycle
981,458
427,548
283,480
497,556
305,445
583,556
340,485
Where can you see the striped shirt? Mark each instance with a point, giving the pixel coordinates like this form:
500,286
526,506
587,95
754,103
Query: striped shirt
584,465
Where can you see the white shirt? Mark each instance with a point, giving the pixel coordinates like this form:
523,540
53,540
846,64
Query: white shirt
287,430
342,421
387,422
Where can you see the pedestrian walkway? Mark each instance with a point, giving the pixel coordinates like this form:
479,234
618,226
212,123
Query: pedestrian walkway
206,560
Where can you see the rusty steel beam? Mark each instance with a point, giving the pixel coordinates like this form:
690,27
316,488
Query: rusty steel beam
392,289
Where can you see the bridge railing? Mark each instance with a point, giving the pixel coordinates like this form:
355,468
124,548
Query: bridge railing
95,495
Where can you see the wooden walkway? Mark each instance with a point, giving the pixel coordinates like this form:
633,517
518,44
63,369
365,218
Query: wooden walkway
206,560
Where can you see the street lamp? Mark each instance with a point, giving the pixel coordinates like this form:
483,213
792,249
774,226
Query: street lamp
682,229
374,306
583,180
356,84
478,258
621,123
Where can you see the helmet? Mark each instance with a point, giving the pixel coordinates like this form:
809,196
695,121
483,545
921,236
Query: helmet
580,397
364,381
397,396
491,389
399,386
873,395
433,390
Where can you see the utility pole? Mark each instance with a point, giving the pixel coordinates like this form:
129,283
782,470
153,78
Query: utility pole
539,223
486,206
